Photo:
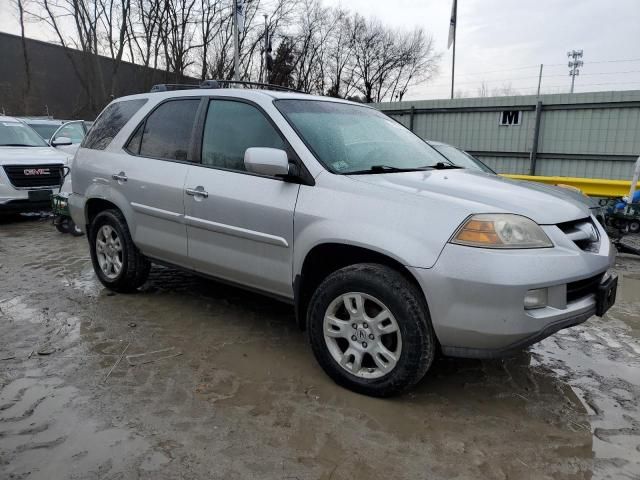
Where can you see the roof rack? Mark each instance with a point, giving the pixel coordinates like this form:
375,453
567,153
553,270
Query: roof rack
165,87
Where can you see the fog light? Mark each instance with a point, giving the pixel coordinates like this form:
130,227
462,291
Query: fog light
536,298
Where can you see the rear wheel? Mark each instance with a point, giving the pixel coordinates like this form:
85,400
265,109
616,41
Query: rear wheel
634,226
116,260
370,330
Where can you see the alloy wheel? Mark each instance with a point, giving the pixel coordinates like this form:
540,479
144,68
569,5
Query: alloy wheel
362,335
109,251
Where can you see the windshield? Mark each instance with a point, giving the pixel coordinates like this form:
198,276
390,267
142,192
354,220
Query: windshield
17,134
353,139
45,130
461,158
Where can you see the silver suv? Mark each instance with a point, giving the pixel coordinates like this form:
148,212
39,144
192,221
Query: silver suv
388,253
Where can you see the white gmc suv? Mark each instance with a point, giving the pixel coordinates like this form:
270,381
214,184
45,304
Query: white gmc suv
30,169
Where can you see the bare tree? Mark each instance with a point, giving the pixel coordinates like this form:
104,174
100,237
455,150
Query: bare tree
339,69
483,89
178,34
324,50
505,90
26,88
386,61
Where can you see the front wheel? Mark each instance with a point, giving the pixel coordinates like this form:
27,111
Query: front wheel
61,225
370,330
118,263
74,229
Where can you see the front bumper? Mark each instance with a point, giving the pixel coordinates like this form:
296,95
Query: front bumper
14,200
476,296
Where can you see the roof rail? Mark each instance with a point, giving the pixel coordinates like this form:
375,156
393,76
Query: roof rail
165,87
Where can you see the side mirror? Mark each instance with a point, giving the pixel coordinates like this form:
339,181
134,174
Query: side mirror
61,142
266,161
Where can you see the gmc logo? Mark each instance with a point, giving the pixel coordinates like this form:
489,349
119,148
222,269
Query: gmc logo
37,171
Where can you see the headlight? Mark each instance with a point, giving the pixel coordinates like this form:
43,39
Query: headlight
498,230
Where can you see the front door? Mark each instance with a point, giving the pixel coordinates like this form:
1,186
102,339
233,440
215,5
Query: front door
239,225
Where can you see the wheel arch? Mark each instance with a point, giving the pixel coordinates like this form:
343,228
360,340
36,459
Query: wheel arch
324,259
97,204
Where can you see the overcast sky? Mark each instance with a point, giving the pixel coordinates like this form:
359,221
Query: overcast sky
503,42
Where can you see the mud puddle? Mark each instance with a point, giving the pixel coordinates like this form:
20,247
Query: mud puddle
245,399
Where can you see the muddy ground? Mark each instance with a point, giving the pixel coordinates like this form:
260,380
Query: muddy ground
234,391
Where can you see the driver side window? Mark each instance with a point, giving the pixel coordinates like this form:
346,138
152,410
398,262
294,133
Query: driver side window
230,128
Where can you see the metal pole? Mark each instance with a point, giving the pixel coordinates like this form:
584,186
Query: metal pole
411,115
266,46
453,63
236,53
634,181
536,136
539,80
573,80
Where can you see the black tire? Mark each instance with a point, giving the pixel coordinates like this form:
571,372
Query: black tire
74,230
62,225
135,266
408,306
634,226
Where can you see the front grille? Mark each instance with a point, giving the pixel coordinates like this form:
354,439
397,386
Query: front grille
583,233
34,176
582,288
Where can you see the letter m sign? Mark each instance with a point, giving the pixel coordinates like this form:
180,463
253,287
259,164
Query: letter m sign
510,117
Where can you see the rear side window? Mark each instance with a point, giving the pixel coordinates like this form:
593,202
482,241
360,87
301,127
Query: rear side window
167,132
232,127
110,122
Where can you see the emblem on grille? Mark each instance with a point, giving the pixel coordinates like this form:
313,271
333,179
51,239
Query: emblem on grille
37,171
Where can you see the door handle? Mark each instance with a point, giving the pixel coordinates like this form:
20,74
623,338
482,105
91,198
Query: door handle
120,177
198,191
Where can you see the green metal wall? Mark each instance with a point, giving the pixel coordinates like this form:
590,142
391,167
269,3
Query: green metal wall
593,135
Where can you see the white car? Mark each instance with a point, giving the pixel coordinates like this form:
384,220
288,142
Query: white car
30,169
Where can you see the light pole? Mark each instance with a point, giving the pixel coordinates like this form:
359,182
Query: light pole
266,50
236,47
574,65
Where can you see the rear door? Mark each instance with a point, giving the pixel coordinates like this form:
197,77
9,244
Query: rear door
239,225
152,177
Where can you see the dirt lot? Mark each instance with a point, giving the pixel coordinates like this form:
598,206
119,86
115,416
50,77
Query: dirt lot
234,391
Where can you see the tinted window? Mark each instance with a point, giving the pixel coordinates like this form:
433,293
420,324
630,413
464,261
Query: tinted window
134,143
110,122
167,131
232,127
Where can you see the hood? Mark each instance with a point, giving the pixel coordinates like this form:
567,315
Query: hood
563,192
32,156
485,193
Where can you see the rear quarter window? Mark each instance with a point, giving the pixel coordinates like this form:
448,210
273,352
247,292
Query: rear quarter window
110,122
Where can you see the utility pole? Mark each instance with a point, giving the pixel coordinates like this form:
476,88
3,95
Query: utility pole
266,50
539,79
574,65
452,40
236,47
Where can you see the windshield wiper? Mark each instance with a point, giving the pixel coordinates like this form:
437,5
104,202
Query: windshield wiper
445,166
16,145
386,169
